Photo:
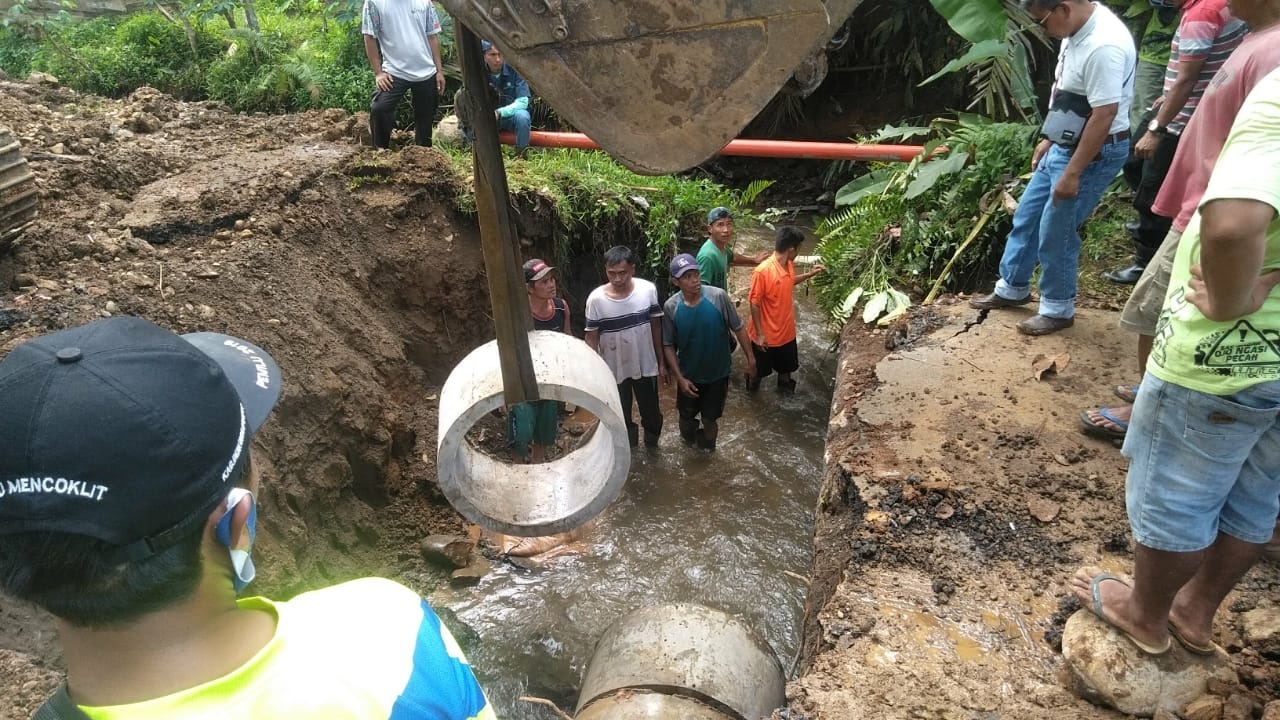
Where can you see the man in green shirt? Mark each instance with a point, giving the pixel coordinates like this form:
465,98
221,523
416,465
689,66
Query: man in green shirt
715,256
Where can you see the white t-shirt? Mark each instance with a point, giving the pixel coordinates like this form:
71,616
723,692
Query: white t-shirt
626,338
1098,62
401,28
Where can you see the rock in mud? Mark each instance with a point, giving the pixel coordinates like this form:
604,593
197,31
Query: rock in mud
1262,630
1107,669
1207,707
447,549
472,573
1272,711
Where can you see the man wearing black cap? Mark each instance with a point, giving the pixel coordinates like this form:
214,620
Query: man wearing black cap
127,512
695,323
715,256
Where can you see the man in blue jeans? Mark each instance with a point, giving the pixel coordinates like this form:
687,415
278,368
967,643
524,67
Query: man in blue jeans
1086,141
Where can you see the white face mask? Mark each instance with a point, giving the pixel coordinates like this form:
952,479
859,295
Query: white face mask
241,559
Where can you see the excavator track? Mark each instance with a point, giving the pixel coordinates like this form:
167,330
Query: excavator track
19,200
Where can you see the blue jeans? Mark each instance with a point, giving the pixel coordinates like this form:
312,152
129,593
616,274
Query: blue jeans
1049,234
518,124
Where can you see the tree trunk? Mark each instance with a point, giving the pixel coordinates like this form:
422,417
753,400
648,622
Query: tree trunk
251,16
231,18
183,21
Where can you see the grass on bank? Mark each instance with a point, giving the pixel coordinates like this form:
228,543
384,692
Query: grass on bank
599,203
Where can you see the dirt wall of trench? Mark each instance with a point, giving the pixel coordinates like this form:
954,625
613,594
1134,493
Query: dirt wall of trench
353,268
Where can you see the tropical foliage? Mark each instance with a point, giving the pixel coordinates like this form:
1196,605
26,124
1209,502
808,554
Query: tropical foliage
263,55
932,222
999,58
598,199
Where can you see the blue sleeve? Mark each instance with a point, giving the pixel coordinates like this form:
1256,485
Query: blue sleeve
441,685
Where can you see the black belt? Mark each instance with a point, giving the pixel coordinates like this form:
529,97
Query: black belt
1122,136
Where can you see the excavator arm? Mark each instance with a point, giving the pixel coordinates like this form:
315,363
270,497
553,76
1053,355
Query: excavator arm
662,85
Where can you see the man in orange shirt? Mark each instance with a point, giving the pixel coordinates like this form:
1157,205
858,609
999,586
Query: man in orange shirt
773,316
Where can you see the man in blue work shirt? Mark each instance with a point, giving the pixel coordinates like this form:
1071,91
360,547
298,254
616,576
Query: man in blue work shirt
512,97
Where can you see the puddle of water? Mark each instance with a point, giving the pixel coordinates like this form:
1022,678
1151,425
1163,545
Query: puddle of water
731,530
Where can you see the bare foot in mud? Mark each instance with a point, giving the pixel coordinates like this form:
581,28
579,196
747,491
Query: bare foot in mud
1109,597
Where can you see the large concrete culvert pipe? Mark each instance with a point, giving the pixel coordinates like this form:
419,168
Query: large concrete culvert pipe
681,661
545,498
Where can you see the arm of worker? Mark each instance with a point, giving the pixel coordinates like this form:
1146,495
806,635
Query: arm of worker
817,268
520,103
655,330
750,260
592,338
757,326
566,330
1172,103
683,384
744,342
1227,283
434,42
1091,141
381,79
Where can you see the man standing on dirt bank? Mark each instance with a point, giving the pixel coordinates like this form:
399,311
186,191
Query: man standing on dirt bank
773,312
624,325
531,426
715,256
1202,492
1257,55
127,511
1086,141
695,324
401,43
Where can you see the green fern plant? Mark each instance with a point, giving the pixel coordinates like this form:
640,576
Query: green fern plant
902,225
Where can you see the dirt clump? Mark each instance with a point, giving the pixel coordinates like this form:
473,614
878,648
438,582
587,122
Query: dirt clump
353,268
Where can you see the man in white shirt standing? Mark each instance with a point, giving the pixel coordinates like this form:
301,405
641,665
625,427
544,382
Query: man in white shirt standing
624,325
1086,141
401,43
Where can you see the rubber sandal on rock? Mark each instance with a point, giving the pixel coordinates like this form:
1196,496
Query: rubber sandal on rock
1097,609
1193,648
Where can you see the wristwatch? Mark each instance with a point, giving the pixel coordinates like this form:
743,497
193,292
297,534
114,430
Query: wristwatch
1155,127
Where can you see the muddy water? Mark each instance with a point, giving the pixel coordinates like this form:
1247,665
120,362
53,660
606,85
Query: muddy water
730,529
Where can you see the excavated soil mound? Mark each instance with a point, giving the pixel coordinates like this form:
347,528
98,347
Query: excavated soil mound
351,267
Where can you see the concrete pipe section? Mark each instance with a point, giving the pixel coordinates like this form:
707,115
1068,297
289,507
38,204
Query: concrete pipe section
545,498
681,661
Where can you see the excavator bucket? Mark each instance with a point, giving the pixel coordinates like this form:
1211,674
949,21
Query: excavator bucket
662,85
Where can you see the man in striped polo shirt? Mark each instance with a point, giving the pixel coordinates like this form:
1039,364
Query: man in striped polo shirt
624,325
1206,36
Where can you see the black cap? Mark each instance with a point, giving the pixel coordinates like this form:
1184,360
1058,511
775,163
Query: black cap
123,431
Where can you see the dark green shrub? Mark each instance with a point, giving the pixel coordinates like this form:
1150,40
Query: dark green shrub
17,49
113,57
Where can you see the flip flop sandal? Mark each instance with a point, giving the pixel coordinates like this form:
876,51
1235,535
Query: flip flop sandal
1195,649
1095,429
1127,393
1097,610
